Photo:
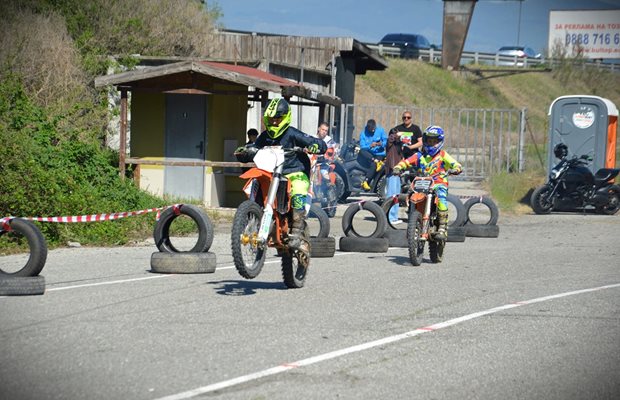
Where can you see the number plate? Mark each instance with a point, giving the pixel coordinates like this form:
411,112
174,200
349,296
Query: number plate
421,184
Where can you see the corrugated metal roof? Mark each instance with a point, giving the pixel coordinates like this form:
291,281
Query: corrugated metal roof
240,74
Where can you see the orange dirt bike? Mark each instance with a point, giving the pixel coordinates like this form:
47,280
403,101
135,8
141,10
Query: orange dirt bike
264,219
423,222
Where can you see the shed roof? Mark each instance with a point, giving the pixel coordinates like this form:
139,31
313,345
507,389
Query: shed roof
239,74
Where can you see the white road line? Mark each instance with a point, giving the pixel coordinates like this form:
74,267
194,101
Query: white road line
368,345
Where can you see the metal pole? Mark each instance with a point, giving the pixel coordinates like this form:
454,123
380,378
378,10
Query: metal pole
519,24
122,148
521,138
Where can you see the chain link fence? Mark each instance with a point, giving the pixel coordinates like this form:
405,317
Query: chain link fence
484,141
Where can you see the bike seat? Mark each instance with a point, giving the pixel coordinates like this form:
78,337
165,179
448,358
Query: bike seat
606,174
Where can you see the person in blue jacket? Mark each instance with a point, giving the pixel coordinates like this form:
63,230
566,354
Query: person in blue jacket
373,141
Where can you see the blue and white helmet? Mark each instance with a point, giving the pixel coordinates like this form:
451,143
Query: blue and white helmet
432,131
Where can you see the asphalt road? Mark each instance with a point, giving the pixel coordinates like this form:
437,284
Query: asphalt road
365,326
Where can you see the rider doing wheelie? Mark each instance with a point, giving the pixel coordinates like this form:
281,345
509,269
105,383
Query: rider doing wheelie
434,161
278,132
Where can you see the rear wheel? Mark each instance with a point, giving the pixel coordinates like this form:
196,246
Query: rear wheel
414,231
293,271
435,249
248,254
541,201
613,204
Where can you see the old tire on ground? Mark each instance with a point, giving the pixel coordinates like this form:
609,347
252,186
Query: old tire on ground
23,229
481,231
322,247
161,233
374,209
21,285
457,234
396,237
324,224
461,215
364,245
487,201
183,263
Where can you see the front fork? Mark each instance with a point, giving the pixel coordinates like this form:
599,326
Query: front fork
426,218
265,222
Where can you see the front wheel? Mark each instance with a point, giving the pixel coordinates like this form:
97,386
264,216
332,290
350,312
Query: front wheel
248,253
613,205
414,232
541,201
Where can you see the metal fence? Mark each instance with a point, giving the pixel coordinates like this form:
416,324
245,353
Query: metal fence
484,141
433,55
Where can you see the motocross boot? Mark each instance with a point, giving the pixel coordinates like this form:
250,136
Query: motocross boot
297,239
442,231
366,186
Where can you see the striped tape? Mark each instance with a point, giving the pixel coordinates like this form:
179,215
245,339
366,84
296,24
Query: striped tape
4,222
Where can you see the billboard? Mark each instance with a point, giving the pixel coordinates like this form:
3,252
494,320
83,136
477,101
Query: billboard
594,33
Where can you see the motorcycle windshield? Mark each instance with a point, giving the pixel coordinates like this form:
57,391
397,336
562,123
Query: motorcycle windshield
269,157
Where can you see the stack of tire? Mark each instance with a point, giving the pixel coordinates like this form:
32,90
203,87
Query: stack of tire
321,245
483,227
25,280
357,241
171,260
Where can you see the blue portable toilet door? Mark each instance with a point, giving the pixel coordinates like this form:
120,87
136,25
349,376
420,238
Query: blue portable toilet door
185,141
581,124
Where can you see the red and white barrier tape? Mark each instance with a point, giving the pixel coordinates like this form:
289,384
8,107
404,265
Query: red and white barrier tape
4,222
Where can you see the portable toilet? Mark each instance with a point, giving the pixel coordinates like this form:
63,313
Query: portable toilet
586,125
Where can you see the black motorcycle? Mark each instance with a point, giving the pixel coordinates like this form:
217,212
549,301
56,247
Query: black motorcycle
572,186
351,174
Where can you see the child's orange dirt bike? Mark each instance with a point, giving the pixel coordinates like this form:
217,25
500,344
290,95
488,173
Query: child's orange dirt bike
264,220
423,221
324,187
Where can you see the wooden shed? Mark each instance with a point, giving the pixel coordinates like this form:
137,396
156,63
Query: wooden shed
186,120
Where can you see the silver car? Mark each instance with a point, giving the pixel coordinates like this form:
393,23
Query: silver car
522,53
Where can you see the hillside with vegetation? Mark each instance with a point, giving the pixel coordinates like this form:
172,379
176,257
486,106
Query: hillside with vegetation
410,82
52,119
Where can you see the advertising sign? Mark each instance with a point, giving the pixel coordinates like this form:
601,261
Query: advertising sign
594,33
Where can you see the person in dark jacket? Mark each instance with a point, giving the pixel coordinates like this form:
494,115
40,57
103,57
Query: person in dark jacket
278,132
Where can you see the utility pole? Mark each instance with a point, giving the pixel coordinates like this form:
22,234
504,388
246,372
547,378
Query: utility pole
519,23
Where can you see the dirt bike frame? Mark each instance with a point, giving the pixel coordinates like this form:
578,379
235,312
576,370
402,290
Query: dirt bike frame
422,197
267,178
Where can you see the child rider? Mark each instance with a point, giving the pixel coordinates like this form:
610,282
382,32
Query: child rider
437,163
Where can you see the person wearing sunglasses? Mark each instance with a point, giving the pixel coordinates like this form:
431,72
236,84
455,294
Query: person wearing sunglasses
410,135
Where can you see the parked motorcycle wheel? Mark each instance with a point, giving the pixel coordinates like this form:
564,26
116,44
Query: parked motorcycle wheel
414,230
247,255
380,187
341,189
613,205
21,230
435,249
540,202
293,273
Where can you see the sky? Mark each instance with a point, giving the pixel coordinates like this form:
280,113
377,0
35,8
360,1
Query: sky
495,23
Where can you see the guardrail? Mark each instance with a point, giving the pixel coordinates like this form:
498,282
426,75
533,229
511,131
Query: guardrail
433,55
